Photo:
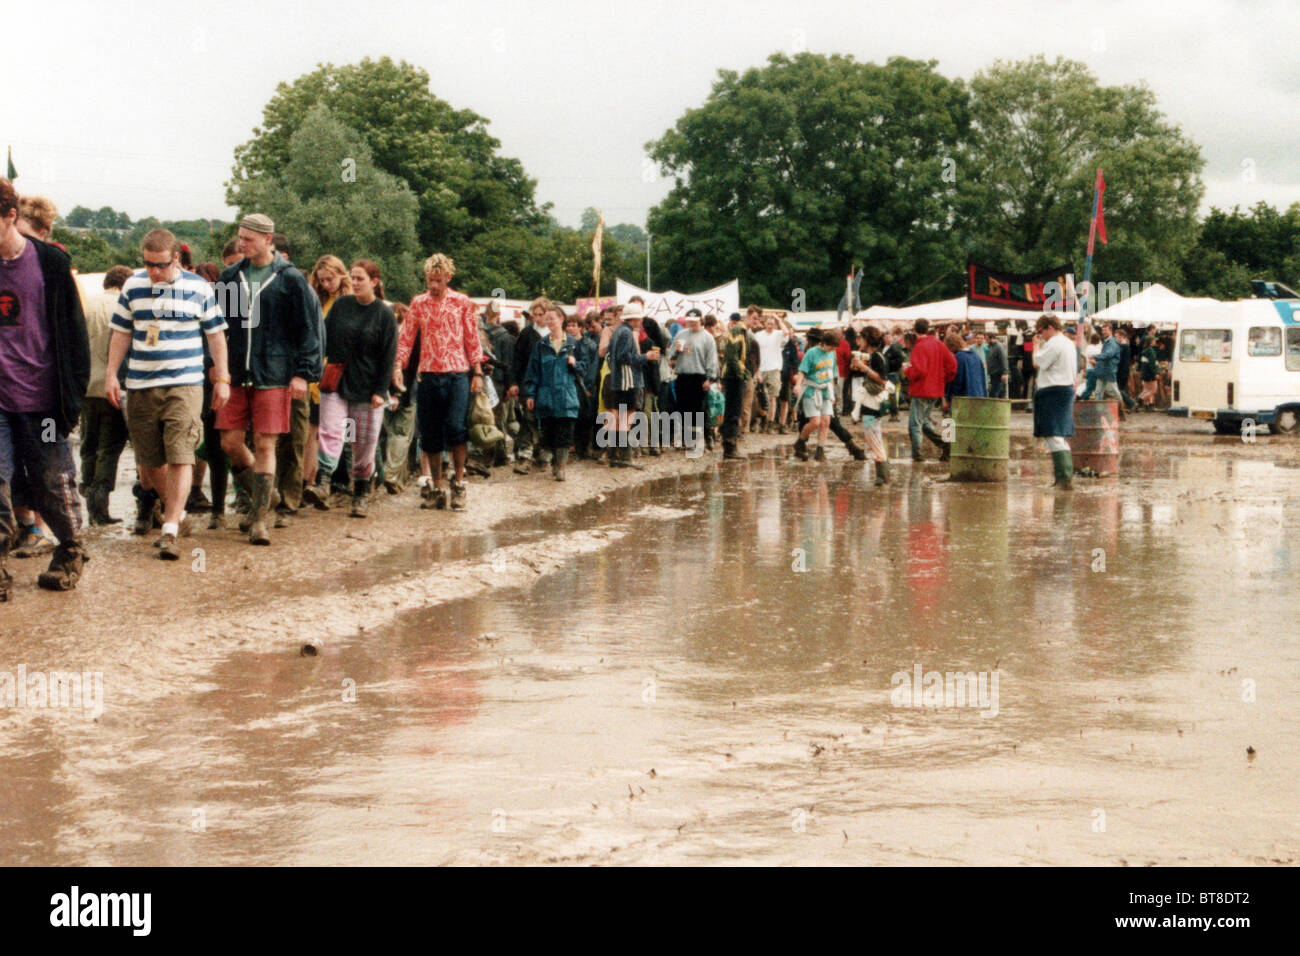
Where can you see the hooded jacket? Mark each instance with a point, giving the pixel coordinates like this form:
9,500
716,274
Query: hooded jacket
275,336
550,382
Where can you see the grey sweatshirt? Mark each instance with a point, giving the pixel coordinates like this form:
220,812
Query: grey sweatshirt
702,358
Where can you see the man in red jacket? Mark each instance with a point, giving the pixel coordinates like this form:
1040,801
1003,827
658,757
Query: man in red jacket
929,370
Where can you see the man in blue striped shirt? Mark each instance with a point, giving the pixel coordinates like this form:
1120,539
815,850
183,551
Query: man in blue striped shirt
158,327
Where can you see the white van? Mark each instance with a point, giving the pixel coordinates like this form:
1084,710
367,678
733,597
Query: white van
1239,360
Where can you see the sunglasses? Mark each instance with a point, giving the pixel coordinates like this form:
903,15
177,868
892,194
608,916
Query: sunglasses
155,265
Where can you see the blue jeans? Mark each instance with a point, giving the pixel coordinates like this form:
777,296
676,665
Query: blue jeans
918,421
1102,390
441,404
29,447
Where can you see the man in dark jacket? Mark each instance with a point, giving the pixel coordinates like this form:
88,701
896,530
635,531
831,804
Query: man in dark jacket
895,355
997,368
1125,368
585,350
44,371
275,349
528,444
735,375
753,363
653,338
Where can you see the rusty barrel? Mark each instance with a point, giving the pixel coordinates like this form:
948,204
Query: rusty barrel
1095,443
981,439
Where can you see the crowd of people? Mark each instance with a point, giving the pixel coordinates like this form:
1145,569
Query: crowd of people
313,391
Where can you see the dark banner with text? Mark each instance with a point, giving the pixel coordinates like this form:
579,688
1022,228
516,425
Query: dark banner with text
1051,290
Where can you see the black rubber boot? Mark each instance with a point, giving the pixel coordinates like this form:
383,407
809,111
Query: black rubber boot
360,497
97,506
882,472
145,500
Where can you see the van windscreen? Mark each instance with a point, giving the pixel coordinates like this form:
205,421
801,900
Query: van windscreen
1205,345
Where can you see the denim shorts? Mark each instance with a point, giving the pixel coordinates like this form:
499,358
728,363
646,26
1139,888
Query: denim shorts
442,402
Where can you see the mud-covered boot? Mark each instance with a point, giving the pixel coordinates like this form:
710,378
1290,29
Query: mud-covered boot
856,451
145,500
317,494
6,581
882,472
801,448
558,463
729,452
65,567
360,497
458,495
257,530
244,481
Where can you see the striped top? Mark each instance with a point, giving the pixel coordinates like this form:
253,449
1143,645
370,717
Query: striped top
183,311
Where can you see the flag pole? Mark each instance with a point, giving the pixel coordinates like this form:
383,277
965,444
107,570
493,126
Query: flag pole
1085,300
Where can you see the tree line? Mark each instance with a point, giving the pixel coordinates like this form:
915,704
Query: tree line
785,176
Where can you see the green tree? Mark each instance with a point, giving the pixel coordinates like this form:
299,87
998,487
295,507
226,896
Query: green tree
93,252
1039,133
445,155
106,217
1235,247
79,218
790,174
352,210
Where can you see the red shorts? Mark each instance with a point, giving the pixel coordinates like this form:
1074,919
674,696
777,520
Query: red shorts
267,409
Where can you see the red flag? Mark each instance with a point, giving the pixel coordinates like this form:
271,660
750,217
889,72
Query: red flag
1101,212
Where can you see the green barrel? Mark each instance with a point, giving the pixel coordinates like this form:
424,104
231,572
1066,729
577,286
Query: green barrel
981,440
1095,443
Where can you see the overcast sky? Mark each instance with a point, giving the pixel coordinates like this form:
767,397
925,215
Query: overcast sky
123,105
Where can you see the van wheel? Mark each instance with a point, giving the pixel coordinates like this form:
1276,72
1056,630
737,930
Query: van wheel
1226,428
1285,423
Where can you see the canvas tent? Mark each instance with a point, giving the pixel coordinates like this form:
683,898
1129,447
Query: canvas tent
1155,305
948,310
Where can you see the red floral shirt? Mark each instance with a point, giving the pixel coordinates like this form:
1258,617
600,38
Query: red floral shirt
448,330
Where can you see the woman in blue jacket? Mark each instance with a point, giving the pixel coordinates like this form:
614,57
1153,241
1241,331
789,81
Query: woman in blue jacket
969,380
551,388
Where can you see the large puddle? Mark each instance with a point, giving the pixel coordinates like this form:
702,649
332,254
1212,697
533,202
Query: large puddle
725,684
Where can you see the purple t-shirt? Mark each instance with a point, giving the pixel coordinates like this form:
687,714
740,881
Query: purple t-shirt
28,375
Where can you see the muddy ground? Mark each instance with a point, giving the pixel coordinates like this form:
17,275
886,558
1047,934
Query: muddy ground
627,666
